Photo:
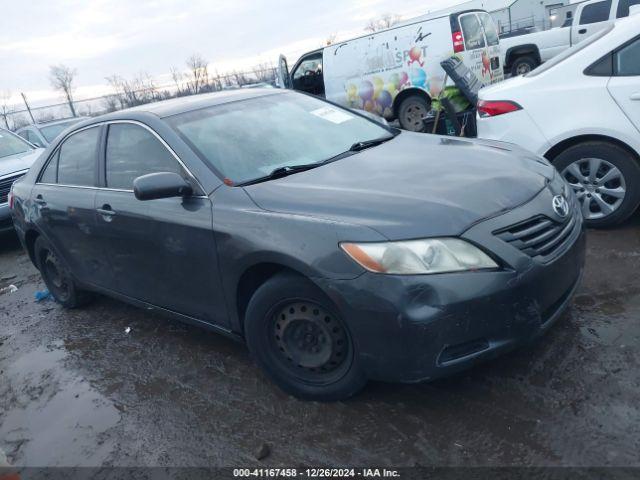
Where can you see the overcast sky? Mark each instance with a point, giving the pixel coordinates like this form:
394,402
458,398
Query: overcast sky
127,37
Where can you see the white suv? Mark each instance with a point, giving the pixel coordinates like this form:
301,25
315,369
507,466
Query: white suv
581,110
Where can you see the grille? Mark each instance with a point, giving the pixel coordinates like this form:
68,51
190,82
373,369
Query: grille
541,237
5,186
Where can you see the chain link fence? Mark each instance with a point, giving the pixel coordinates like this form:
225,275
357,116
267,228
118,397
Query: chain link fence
135,92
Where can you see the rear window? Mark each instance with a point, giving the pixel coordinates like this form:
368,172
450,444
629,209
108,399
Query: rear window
596,12
52,131
472,31
570,52
490,30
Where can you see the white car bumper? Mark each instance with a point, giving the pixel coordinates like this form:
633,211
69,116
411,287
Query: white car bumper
515,127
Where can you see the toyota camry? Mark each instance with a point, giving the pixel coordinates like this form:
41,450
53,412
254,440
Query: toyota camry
338,249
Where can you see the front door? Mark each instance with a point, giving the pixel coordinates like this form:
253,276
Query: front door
160,251
593,18
64,197
307,75
624,86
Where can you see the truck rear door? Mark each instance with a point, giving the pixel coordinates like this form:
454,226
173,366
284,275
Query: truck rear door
591,18
471,45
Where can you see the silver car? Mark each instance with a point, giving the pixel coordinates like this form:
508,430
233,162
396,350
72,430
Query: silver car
16,156
42,134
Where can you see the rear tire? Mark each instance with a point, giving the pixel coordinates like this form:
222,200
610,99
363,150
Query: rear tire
57,277
523,65
295,334
586,165
412,111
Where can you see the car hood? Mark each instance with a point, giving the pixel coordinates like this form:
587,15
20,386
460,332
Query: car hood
413,186
21,161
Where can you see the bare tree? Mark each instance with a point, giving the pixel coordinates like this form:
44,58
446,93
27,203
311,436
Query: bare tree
198,68
5,109
177,76
383,22
330,40
61,78
264,72
129,93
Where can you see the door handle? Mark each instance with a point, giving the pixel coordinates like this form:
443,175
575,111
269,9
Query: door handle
39,200
106,211
582,31
635,96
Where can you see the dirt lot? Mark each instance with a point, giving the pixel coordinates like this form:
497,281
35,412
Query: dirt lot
75,389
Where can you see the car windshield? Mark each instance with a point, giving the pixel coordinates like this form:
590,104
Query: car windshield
248,139
569,52
11,144
50,132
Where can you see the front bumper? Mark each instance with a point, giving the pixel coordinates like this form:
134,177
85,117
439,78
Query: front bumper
414,328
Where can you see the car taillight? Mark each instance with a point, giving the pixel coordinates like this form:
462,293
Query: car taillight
488,108
458,42
10,198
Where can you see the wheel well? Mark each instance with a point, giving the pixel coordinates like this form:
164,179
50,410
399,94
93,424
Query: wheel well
570,142
251,280
30,241
408,93
521,51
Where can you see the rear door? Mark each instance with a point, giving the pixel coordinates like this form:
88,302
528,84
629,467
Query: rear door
160,251
592,18
476,52
493,51
64,198
624,86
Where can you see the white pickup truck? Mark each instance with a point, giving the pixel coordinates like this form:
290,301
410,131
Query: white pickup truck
523,53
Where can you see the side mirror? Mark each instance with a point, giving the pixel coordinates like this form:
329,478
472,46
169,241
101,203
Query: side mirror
161,185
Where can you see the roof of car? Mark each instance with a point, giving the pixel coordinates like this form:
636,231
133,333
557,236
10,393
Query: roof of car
174,106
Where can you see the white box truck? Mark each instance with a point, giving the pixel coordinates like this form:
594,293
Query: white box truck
396,72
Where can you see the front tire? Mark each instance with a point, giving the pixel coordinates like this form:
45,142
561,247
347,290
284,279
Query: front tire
605,178
295,334
57,276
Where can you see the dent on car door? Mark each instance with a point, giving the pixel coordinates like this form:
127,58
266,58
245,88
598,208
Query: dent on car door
161,251
624,86
64,200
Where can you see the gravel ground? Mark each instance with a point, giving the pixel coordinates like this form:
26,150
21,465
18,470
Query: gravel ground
76,389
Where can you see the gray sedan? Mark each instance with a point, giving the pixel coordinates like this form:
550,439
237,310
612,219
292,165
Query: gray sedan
338,249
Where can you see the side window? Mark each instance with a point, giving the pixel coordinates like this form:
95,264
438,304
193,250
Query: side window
490,30
77,158
50,173
133,151
627,60
624,6
24,134
33,138
310,66
472,31
596,12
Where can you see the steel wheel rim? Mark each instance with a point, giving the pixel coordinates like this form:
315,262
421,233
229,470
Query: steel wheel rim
523,69
57,279
414,117
599,186
310,342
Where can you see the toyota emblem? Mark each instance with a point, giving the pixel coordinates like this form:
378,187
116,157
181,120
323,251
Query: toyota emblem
560,206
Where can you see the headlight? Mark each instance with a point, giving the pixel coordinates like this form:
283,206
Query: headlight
435,255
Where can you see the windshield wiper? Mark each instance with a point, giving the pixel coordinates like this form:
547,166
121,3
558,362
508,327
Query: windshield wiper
281,172
358,146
